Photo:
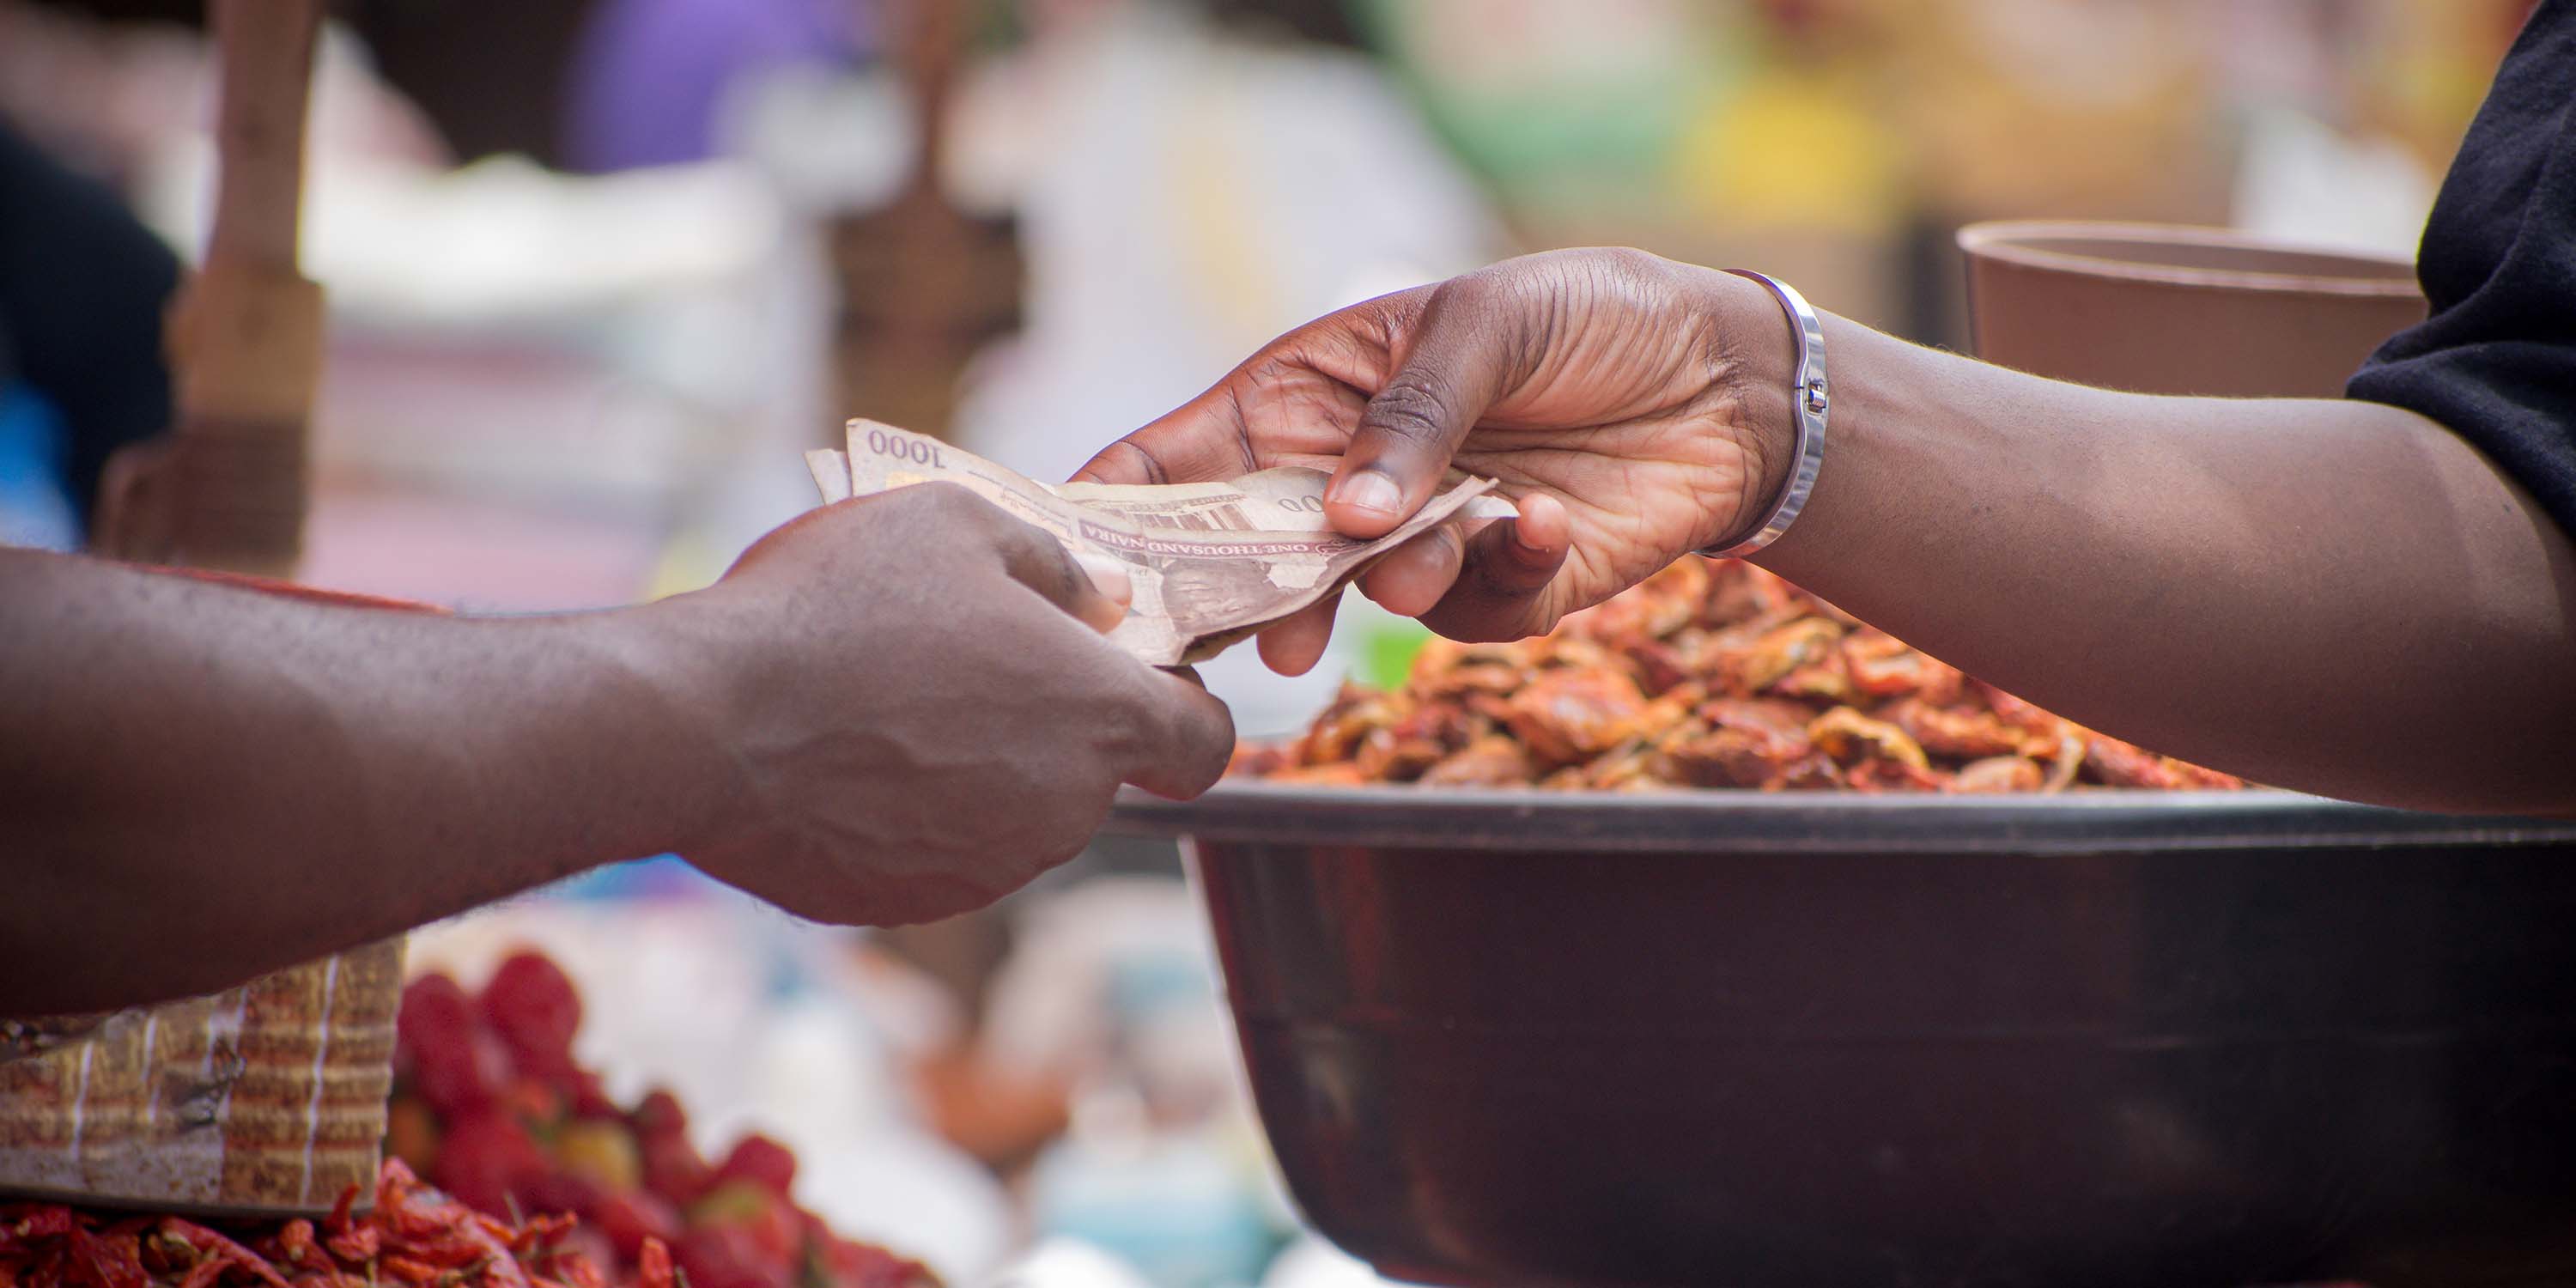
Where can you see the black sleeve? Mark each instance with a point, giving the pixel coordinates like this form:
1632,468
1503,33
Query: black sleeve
82,288
2496,360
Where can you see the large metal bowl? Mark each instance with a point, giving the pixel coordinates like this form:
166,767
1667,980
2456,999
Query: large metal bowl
2088,1041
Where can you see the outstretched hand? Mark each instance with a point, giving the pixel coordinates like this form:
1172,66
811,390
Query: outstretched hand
1613,394
924,712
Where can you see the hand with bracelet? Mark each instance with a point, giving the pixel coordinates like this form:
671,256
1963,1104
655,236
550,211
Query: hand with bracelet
2333,595
1625,401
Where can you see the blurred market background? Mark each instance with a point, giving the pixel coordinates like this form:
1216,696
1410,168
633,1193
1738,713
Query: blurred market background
600,270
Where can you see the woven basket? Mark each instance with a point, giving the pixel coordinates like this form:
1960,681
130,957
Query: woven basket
259,1100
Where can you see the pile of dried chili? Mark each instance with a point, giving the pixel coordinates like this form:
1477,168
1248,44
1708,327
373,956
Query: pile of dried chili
413,1236
1711,673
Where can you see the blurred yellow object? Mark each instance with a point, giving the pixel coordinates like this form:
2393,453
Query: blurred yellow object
1792,149
2075,107
2435,59
688,563
600,1152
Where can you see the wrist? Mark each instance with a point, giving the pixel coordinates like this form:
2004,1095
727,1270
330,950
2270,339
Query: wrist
1756,413
673,694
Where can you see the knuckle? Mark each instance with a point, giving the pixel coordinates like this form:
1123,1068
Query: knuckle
1044,546
1630,261
958,501
1022,531
1022,541
1470,293
1409,409
1126,461
1070,584
1448,546
1196,741
1128,720
1614,273
1375,318
1216,754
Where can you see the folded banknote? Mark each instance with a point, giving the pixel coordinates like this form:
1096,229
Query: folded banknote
1208,564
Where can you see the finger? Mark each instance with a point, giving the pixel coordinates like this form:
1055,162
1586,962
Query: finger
1300,389
1508,568
1296,644
1543,531
1130,462
1110,577
1041,563
1194,740
1456,364
1202,440
1413,576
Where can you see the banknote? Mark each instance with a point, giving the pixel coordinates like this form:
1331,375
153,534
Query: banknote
1208,564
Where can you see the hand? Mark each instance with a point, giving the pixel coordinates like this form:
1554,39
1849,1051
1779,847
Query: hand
1616,396
923,711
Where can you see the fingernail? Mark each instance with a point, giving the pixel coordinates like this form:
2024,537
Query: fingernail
1370,490
1110,577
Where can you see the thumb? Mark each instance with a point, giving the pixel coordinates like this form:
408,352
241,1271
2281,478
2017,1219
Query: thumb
1094,590
1455,367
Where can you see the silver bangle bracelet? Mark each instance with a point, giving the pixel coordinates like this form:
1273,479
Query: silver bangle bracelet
1808,399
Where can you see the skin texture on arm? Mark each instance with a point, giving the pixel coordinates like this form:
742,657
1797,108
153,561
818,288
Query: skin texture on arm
199,783
2333,596
202,782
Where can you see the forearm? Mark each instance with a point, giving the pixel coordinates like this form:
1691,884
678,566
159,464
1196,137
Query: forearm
199,783
2332,596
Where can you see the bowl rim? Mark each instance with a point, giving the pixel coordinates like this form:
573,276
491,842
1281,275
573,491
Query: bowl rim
1738,821
2004,241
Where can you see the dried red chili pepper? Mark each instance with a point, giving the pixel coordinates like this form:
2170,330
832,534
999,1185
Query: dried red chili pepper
1564,711
213,1244
298,1248
414,1235
206,1272
51,1221
111,1261
358,1246
406,1269
653,1265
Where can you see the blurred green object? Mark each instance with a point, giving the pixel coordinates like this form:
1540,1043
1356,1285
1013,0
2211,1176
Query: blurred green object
1387,651
1555,102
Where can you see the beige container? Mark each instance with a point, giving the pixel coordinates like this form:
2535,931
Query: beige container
2168,309
260,1100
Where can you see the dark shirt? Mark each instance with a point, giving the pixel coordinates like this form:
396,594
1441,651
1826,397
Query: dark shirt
2496,360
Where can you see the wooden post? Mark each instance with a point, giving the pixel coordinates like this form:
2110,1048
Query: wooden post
226,488
924,286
